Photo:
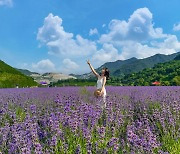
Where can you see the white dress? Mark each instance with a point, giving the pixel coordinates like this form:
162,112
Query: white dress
99,85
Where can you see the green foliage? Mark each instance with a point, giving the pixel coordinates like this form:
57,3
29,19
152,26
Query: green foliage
176,80
170,144
83,91
10,77
167,73
20,114
6,68
74,82
85,82
134,65
177,57
72,141
8,118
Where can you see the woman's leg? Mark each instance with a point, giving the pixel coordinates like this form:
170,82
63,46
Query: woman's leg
104,100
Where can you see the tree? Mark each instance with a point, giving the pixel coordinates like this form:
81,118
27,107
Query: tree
176,80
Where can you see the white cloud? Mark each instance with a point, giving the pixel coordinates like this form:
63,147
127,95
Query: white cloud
137,37
136,49
139,27
93,31
6,3
176,27
43,66
169,43
68,63
106,54
60,42
69,66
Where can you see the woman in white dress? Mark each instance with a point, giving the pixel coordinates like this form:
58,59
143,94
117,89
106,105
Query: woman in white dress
101,80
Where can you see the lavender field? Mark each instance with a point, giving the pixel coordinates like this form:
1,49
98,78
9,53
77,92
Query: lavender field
71,120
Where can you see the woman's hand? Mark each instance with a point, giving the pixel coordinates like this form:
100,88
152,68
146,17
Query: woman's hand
95,73
88,62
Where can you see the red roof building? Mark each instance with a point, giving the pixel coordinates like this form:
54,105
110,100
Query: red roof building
156,83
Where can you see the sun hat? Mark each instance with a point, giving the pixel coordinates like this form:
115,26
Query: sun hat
97,92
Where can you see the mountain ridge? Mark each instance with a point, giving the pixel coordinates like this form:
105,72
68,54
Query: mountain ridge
47,77
120,68
167,73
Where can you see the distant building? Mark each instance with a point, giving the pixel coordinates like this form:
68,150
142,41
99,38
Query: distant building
44,83
156,83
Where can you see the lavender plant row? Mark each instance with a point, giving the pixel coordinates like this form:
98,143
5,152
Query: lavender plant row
71,120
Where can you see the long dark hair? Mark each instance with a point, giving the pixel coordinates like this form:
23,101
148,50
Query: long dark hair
106,74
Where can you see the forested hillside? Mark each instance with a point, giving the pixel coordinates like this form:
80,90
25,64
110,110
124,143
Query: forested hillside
167,73
10,77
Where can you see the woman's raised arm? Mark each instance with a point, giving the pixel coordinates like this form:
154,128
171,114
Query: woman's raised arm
95,73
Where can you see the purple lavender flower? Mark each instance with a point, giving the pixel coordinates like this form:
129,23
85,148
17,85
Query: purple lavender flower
78,149
33,108
137,117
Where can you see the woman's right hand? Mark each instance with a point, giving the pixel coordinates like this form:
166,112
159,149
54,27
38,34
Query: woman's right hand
88,62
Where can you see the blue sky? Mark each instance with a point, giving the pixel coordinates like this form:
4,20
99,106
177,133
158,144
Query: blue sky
60,35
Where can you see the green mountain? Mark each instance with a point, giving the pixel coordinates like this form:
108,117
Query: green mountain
177,57
114,66
10,77
26,72
120,68
137,65
167,73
